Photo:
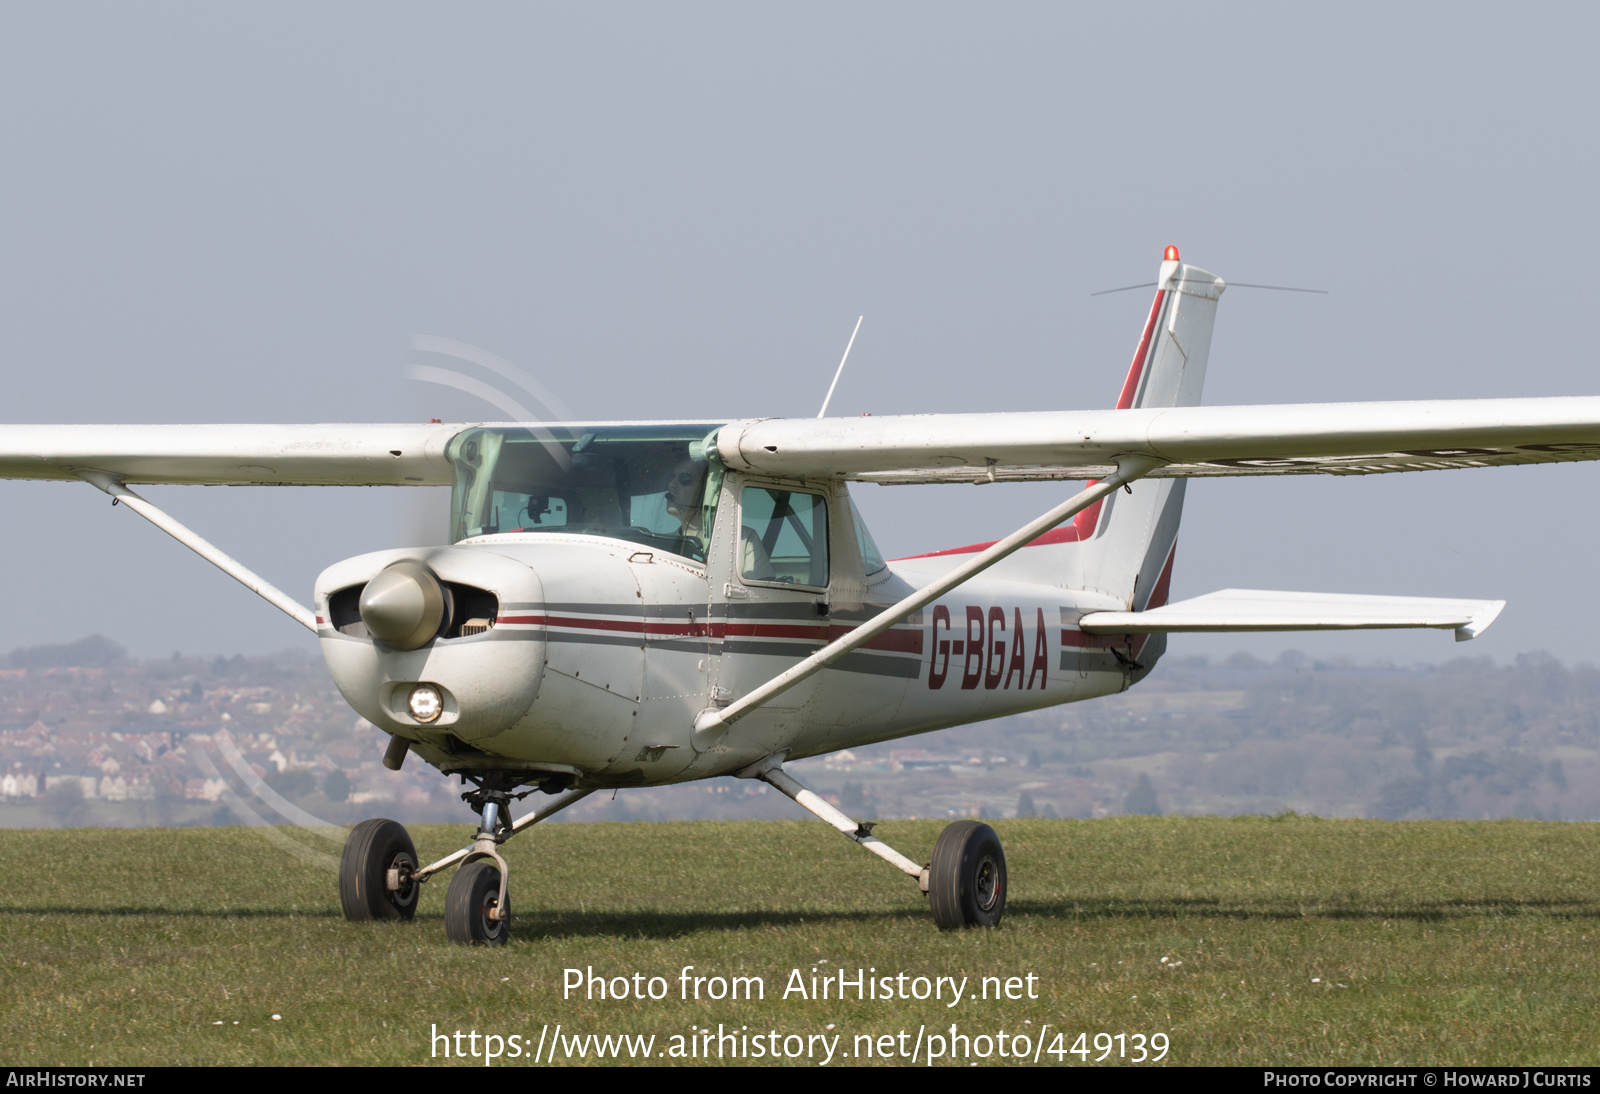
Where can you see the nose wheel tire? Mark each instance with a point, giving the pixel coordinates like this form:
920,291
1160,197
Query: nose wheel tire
374,848
967,877
474,893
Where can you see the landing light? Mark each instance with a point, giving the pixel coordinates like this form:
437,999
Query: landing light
425,703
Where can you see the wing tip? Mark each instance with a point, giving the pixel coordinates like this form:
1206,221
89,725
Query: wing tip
1480,622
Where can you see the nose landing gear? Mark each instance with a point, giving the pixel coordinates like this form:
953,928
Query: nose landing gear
379,877
473,912
477,908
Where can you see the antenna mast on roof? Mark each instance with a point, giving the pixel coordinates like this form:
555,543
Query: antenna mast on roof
840,371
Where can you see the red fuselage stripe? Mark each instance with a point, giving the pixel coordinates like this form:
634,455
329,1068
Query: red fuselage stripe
904,640
1133,643
1092,641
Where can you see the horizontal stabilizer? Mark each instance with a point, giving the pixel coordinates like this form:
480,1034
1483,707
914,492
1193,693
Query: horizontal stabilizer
1265,610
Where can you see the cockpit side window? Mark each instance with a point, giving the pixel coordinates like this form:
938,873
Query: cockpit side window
871,558
784,536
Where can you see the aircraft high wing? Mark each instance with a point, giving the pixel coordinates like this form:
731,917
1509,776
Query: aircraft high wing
1187,442
640,603
231,455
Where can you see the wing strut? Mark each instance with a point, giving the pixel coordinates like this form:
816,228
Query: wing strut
203,547
712,721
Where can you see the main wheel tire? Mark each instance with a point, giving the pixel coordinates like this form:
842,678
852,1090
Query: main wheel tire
373,849
967,878
474,892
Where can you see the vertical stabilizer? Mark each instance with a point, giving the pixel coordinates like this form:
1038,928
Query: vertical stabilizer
1123,546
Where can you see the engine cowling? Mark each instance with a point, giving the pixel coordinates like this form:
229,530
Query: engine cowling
468,622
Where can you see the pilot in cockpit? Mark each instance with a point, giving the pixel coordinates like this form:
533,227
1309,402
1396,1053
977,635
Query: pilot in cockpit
685,489
686,485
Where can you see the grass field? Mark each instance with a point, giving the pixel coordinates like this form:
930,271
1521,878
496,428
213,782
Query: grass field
1287,941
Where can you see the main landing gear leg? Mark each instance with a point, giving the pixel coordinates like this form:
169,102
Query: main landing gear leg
771,771
966,881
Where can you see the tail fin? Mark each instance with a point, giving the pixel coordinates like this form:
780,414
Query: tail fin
1123,546
1169,367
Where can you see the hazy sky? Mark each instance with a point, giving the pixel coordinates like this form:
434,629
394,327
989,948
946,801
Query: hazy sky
234,213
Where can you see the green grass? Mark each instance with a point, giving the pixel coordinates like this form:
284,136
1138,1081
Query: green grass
1434,942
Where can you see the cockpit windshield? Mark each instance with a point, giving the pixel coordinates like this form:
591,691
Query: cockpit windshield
655,485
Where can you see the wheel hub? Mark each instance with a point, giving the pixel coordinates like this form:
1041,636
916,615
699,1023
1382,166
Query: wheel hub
401,880
986,883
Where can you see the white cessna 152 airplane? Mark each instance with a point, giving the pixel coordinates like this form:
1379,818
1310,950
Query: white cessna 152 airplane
633,604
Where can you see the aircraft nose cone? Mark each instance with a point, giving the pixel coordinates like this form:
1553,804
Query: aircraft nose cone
404,605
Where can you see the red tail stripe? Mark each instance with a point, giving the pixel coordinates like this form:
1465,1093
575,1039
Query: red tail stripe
1130,386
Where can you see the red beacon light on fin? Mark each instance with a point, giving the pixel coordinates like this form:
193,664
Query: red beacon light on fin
1171,255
